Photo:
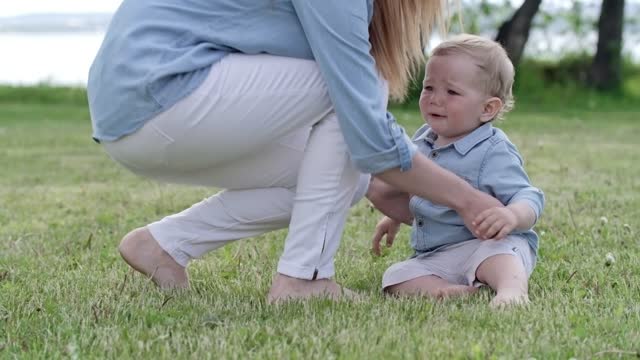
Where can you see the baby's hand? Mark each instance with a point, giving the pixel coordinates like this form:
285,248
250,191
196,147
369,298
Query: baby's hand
387,226
494,223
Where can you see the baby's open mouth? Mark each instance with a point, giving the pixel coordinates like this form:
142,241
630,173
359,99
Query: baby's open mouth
436,115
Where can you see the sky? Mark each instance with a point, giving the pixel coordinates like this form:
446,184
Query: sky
20,7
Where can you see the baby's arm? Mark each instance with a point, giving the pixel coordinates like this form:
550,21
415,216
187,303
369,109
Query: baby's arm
525,215
390,201
503,176
387,227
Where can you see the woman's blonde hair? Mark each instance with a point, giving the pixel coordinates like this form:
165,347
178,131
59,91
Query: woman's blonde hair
399,32
491,59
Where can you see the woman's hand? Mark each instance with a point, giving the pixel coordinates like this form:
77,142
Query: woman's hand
495,223
477,203
498,222
386,226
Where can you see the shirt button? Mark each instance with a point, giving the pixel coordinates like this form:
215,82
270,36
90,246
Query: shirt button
434,154
420,222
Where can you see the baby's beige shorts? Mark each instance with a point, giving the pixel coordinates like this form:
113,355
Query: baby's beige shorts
457,263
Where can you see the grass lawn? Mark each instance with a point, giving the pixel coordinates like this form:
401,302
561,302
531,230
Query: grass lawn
65,293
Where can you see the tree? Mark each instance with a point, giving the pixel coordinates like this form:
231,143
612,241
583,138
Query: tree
514,33
606,68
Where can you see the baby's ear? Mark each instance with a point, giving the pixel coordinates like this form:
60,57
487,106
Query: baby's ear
491,109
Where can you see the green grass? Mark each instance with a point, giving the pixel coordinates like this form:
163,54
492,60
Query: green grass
65,293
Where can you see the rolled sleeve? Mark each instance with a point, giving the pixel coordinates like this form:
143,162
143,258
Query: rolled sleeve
503,176
338,34
532,196
400,154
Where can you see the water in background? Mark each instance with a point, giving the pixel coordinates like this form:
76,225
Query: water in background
56,58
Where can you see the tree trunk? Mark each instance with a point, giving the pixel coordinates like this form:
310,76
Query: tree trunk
514,33
605,73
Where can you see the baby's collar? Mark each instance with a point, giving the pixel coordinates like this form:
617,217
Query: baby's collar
465,144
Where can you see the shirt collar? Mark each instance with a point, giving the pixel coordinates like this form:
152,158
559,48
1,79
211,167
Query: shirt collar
474,138
464,145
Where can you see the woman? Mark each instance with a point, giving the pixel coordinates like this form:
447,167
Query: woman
277,101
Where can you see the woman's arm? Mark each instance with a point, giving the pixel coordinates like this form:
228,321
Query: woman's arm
338,34
430,181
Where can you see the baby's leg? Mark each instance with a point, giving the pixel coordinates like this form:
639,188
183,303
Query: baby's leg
505,274
505,265
431,286
439,274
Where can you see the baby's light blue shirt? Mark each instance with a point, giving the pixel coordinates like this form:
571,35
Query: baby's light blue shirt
488,161
156,52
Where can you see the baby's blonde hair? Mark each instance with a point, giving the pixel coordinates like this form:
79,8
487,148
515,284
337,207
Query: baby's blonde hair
493,61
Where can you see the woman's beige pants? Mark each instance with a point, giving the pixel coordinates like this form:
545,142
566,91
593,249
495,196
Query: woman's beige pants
263,128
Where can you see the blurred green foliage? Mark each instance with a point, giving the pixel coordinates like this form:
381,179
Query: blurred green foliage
42,94
561,83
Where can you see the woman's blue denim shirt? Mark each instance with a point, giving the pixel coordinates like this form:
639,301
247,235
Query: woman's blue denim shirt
156,52
488,161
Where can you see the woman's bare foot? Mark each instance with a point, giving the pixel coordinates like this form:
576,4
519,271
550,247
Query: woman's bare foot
509,297
143,253
286,288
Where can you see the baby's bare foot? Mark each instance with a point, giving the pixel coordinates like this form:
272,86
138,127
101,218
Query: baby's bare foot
142,252
285,288
509,297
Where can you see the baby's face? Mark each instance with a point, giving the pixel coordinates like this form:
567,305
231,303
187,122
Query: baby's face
452,99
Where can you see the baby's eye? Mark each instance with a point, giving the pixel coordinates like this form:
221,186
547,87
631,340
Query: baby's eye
452,92
428,87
